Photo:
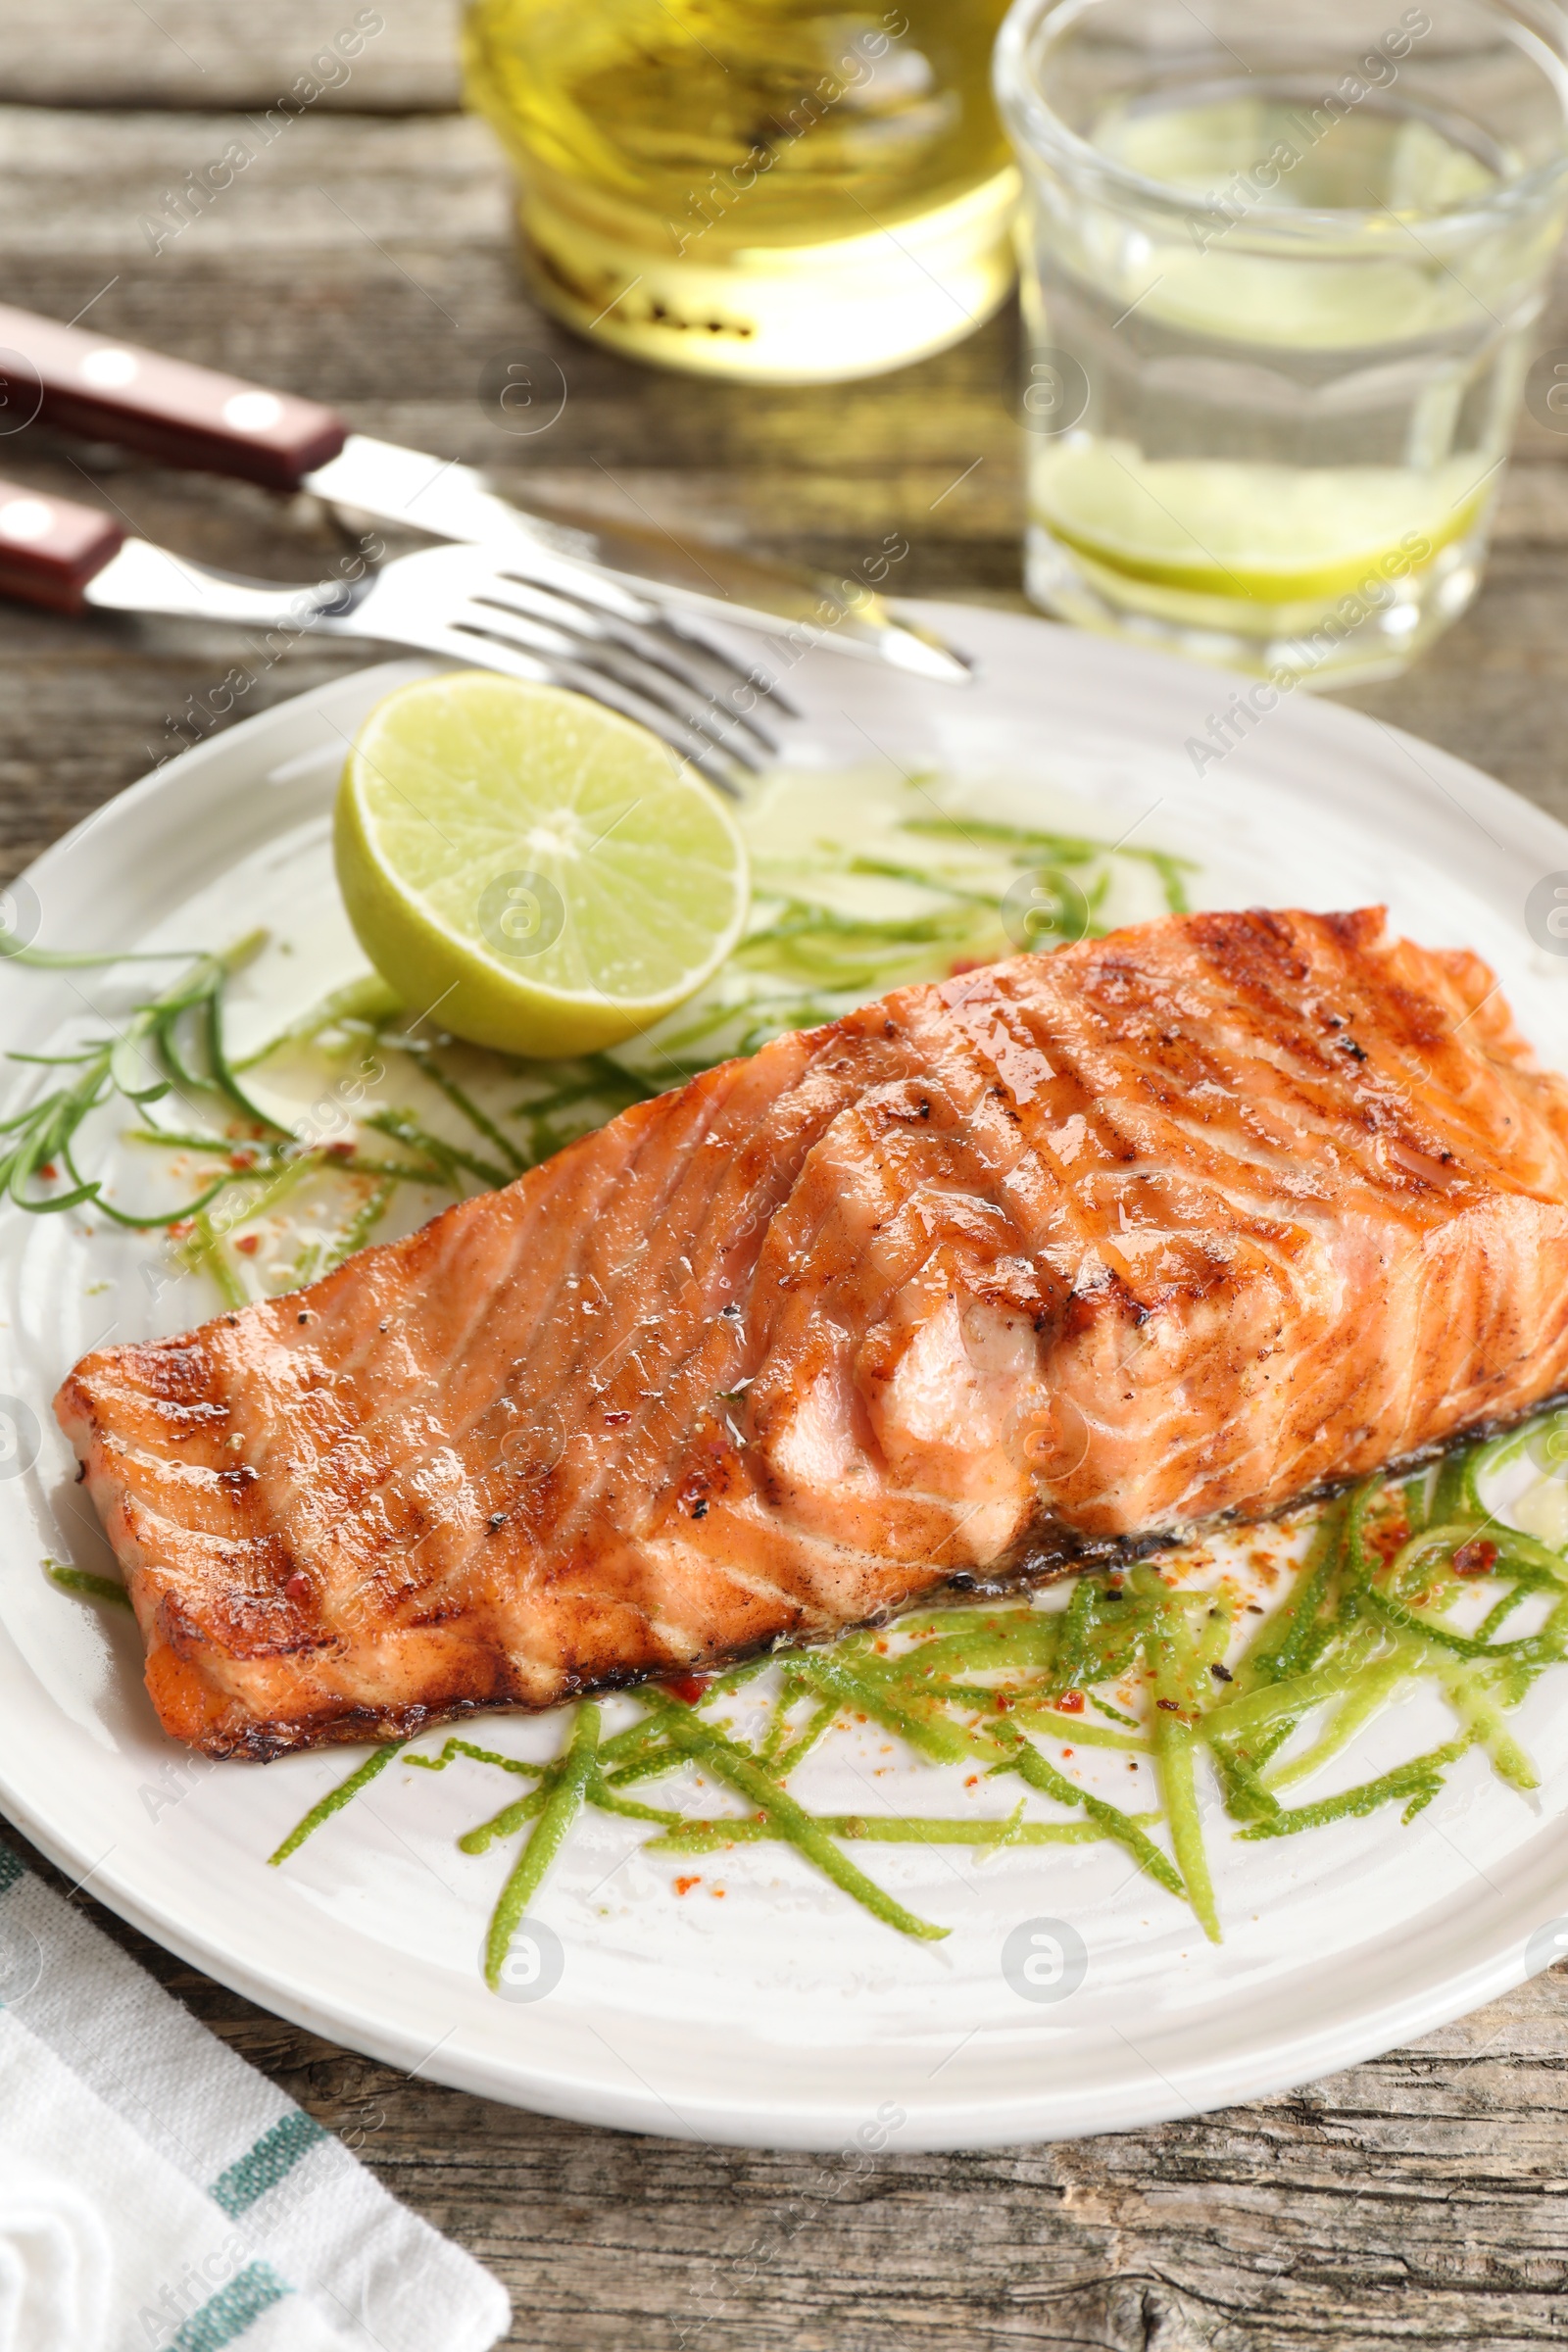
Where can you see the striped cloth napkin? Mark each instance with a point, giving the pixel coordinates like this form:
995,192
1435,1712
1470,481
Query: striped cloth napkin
156,2194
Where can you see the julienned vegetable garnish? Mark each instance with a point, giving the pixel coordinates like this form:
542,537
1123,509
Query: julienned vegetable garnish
1391,1598
174,1040
1407,1586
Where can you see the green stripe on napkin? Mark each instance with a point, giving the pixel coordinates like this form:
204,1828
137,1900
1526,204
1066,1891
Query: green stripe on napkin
230,2311
275,2154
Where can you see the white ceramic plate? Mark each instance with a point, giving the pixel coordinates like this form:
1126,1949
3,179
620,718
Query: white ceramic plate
780,2015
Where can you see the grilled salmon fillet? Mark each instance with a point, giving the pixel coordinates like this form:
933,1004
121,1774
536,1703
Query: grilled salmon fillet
993,1277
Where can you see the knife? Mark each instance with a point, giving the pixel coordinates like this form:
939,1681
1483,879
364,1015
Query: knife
196,418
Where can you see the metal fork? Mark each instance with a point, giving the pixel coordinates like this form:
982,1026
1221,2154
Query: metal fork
572,629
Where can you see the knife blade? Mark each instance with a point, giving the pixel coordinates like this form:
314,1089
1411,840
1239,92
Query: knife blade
196,418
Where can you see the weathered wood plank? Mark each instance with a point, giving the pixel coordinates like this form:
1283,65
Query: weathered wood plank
1496,691
206,54
312,183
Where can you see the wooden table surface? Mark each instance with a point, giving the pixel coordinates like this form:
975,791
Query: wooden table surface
366,258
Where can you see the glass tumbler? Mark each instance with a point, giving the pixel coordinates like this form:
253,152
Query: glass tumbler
1281,269
775,190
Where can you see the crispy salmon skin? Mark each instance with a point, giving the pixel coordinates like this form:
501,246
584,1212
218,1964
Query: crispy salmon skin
989,1277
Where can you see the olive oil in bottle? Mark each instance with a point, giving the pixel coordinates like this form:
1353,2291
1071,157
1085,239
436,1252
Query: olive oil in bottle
753,188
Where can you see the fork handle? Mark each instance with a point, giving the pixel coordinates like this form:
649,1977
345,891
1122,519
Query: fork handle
183,415
50,547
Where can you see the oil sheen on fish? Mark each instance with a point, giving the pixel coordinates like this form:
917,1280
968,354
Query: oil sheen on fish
989,1278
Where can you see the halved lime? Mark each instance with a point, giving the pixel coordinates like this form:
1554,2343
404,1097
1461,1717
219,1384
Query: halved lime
1277,534
530,871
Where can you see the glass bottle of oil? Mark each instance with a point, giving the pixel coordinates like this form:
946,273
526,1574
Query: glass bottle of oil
754,188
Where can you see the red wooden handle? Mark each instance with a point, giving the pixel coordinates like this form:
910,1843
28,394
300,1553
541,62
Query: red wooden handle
50,547
184,415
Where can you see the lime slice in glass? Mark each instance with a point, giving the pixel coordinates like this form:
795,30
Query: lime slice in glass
1278,534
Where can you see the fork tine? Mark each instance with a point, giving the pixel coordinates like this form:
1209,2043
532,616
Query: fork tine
694,667
726,728
609,659
582,584
458,644
638,655
709,674
687,628
716,759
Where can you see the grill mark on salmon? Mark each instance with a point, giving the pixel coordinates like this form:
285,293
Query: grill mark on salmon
1045,1264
